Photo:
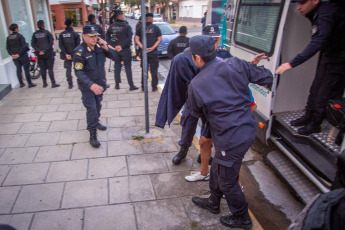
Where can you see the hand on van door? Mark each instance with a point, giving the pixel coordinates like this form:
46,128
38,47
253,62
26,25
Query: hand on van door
283,67
257,58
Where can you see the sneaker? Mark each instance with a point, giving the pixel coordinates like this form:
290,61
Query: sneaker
196,176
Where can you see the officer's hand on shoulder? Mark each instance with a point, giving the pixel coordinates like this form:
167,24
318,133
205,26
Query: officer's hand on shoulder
96,89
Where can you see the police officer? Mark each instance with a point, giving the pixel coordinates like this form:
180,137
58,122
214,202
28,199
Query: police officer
68,41
225,104
18,48
119,35
43,41
154,38
92,19
137,49
88,61
178,44
328,26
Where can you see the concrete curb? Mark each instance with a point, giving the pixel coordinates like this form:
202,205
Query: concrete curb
190,26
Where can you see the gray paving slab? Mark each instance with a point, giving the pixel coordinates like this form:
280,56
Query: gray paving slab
63,125
59,101
69,107
128,96
154,145
18,155
43,139
16,110
146,164
54,153
125,147
186,165
141,120
112,97
130,132
41,197
9,141
162,214
45,108
85,193
58,220
113,217
114,134
109,113
134,111
76,115
67,171
118,104
27,174
3,172
11,128
8,196
50,94
69,137
27,117
18,221
75,93
121,121
54,116
5,118
35,127
85,151
107,167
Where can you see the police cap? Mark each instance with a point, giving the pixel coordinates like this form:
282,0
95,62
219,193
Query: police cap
13,26
117,12
90,30
298,0
40,23
149,15
211,30
91,17
182,30
202,45
68,22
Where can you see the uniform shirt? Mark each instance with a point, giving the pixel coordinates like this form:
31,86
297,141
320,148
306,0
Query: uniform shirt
223,52
16,44
177,46
99,29
220,93
152,34
327,34
120,33
42,40
70,46
203,21
89,65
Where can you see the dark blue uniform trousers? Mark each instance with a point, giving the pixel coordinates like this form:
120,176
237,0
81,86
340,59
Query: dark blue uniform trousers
68,66
47,64
125,56
188,123
153,64
93,107
20,62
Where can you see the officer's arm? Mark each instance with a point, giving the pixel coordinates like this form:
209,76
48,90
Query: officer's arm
23,49
108,36
171,49
63,50
318,39
77,39
79,69
111,53
194,102
255,74
127,42
8,47
50,40
34,44
159,40
137,41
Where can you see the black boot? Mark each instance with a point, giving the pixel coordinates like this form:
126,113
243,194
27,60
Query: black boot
117,86
101,127
209,162
207,203
93,138
45,83
70,85
180,155
133,87
304,120
22,85
54,85
310,128
107,85
32,85
236,221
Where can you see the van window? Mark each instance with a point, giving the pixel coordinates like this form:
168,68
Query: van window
257,24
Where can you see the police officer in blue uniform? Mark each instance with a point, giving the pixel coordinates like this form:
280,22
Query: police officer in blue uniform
92,20
18,48
88,61
224,100
68,41
119,35
154,38
177,45
328,35
43,41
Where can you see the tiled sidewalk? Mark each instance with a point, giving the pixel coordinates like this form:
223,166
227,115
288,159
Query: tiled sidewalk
51,178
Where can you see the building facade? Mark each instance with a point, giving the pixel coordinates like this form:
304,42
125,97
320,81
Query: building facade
192,10
25,13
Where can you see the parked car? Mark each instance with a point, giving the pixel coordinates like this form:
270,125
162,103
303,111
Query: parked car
168,34
137,16
157,18
132,15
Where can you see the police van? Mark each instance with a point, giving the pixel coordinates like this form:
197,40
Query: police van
250,27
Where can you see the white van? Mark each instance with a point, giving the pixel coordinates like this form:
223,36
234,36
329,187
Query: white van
275,27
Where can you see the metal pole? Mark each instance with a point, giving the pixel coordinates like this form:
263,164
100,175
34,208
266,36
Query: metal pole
103,14
144,62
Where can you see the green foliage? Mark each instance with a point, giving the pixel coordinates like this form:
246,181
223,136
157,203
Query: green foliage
137,138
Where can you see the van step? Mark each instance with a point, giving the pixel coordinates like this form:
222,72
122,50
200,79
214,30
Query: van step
303,187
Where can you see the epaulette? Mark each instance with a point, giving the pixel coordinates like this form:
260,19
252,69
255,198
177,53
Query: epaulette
219,48
79,50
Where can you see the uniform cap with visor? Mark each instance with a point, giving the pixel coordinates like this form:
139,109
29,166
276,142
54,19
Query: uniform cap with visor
202,45
90,30
211,30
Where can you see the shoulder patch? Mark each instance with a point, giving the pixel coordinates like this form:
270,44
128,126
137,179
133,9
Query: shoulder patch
111,47
98,46
78,66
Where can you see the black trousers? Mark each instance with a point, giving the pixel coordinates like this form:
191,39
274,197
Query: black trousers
93,106
47,64
189,124
68,66
125,56
20,62
153,64
329,83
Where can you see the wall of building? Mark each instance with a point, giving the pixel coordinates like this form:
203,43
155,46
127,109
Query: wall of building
192,10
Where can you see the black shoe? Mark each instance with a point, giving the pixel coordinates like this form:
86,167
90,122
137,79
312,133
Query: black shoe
45,84
142,89
117,86
22,85
70,86
209,162
309,129
101,127
133,87
180,155
207,204
32,85
154,88
93,139
54,85
236,222
107,85
304,120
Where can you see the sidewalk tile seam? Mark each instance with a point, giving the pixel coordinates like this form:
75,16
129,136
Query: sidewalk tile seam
14,203
5,178
62,195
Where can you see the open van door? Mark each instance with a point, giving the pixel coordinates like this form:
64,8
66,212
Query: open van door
258,28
